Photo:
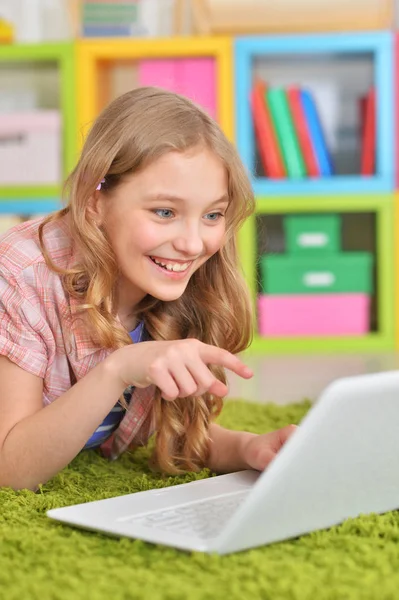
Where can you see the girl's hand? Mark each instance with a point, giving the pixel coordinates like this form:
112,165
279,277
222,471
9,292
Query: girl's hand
178,368
259,450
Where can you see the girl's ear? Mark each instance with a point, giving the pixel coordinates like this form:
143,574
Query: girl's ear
95,208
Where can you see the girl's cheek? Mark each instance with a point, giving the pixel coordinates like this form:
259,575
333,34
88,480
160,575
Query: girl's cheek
148,236
216,241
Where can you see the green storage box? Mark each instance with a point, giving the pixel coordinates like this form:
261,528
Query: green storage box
343,272
312,234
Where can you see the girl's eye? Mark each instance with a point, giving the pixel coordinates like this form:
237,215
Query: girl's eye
164,213
214,216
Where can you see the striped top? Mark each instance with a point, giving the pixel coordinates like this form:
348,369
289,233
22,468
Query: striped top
112,420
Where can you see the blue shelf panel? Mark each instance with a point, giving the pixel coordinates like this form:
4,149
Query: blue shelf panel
29,207
328,186
381,45
312,43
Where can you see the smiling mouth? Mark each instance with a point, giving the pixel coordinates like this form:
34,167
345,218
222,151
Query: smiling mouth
172,266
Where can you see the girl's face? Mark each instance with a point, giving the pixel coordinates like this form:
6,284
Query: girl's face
164,222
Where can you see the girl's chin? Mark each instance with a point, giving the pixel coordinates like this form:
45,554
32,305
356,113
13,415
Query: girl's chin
167,295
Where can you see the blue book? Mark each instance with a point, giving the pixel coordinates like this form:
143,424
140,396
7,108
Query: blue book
320,149
107,31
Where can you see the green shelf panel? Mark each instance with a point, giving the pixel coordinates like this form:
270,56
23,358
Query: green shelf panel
34,52
372,342
10,193
323,204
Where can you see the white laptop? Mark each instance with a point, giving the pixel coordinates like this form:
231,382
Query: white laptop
342,461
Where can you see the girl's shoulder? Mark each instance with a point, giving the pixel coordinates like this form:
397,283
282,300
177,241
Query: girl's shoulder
20,247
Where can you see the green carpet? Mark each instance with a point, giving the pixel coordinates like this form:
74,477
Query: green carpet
42,559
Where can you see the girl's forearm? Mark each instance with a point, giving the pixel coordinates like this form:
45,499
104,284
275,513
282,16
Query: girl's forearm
42,444
227,449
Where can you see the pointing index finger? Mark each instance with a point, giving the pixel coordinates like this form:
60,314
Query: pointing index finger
219,356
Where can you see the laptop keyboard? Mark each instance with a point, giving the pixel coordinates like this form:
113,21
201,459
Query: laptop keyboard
204,519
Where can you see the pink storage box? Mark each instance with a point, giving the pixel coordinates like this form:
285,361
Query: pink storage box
313,315
30,148
191,77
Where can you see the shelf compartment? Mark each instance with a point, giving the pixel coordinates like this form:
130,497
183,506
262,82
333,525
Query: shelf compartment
48,61
369,213
308,55
98,63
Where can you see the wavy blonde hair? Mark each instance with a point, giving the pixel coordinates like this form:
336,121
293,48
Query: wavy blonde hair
131,133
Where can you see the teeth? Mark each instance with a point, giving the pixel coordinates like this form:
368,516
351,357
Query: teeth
176,267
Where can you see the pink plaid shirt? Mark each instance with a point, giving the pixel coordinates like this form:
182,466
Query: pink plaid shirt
38,333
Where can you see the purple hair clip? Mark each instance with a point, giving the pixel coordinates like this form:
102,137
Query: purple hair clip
100,184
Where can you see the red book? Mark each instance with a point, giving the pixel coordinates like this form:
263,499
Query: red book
265,134
368,135
302,131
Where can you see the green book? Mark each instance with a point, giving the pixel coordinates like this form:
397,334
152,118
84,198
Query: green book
109,13
286,134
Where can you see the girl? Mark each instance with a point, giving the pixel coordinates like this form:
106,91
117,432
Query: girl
132,291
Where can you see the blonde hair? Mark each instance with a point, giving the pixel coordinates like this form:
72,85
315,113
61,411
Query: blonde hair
132,132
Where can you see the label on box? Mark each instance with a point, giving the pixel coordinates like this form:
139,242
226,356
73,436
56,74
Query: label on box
323,278
312,240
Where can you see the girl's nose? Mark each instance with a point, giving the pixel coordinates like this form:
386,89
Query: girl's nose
189,242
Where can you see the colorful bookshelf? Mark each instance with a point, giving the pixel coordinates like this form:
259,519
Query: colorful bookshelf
382,209
90,70
39,198
373,51
97,58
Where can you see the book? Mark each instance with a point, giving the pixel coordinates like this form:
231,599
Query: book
302,131
367,163
286,135
316,134
265,134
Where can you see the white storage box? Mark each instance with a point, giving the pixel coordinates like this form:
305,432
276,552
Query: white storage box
30,148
